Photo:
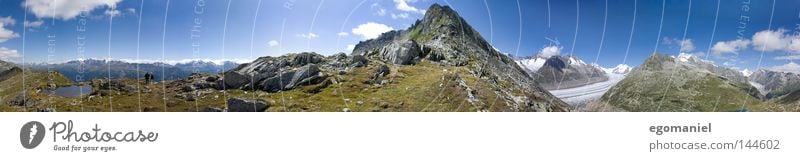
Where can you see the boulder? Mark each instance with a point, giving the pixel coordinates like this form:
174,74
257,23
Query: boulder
308,74
235,80
116,85
306,58
212,109
22,100
211,78
45,110
403,53
277,83
358,61
383,70
249,105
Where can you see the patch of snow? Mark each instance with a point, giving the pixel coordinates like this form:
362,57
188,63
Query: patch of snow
573,61
747,72
684,57
619,69
532,64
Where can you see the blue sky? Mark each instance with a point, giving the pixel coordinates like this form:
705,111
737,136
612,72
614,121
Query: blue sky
246,29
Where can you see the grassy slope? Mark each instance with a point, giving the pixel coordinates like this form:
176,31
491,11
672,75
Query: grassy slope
34,80
422,87
644,90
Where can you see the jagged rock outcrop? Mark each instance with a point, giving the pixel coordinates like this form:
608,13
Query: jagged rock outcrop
274,74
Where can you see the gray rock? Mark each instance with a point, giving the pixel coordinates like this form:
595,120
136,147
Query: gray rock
277,83
308,74
22,100
8,73
403,53
213,109
306,58
235,80
358,61
211,78
116,85
383,70
775,84
242,105
45,110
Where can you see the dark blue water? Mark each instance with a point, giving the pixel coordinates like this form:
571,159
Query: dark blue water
73,91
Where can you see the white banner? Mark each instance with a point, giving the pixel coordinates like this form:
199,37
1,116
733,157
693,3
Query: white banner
400,136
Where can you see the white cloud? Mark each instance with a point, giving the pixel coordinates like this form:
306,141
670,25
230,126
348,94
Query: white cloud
112,13
732,46
33,24
403,6
342,34
794,44
65,10
7,54
308,35
400,16
350,47
686,45
789,67
131,10
770,40
272,43
6,34
371,30
7,20
379,10
788,57
549,51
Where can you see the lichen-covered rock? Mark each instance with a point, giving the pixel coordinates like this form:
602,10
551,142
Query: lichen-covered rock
402,53
22,100
358,61
247,105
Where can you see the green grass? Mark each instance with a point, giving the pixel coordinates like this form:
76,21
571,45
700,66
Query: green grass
422,87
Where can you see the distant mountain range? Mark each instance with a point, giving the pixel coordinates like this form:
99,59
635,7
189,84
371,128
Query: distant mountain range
89,69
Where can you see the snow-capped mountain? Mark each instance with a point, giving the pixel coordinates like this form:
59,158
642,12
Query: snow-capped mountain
531,64
619,69
560,72
88,69
693,61
747,72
